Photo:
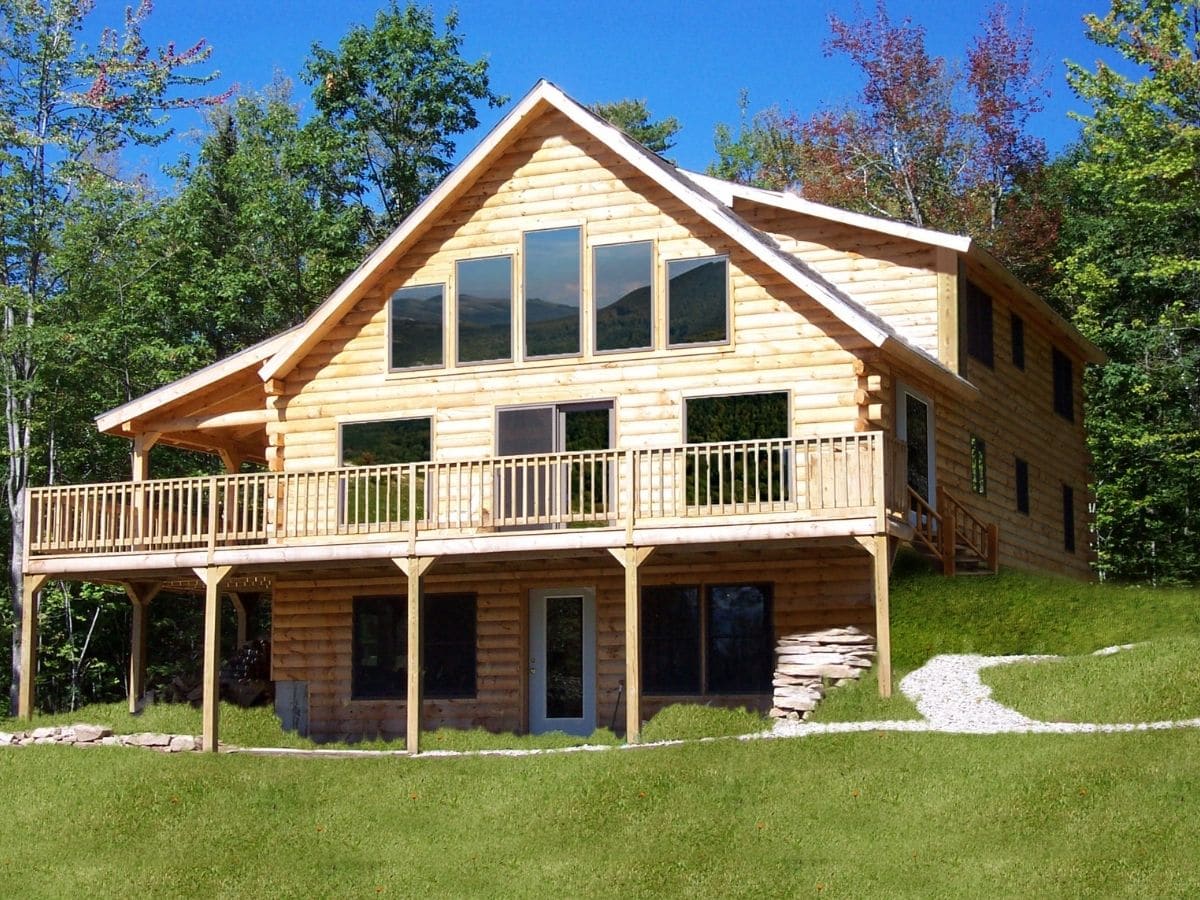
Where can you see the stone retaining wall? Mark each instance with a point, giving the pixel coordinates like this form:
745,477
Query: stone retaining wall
807,661
99,736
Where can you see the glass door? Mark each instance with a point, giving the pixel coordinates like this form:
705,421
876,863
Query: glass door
915,426
562,661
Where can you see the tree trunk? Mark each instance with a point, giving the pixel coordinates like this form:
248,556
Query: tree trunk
17,588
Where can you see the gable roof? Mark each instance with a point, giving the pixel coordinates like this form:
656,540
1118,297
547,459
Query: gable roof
689,190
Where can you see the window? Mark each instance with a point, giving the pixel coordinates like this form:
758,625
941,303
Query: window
979,325
623,278
671,640
731,644
737,417
1022,485
733,475
382,495
415,323
380,647
552,263
483,295
978,465
1068,520
698,301
1018,342
1064,385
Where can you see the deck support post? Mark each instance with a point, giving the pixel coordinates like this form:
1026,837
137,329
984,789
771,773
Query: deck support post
632,558
212,577
883,622
30,588
140,594
414,567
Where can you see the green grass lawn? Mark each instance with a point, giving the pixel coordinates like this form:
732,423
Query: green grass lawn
878,814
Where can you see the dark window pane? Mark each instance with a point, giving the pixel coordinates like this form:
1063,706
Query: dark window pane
416,322
671,640
1018,342
739,417
917,437
1068,517
1064,385
739,652
1022,486
737,476
449,628
380,652
552,292
624,295
564,657
979,325
484,309
978,465
698,300
386,442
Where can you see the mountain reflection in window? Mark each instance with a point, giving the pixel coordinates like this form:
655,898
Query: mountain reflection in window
552,292
416,322
624,297
697,301
484,294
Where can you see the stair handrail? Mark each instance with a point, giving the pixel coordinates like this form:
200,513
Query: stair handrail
927,522
981,538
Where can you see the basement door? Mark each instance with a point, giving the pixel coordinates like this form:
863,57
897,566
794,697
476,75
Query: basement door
562,661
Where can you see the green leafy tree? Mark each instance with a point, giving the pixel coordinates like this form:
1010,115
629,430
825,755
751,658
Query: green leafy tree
1130,269
394,96
62,106
634,118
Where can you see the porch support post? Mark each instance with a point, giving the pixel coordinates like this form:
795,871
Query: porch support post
140,594
140,460
883,622
414,567
31,585
632,558
212,577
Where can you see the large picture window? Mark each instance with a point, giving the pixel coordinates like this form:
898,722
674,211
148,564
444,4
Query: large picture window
415,322
483,304
723,646
623,278
552,261
698,300
380,647
720,476
376,496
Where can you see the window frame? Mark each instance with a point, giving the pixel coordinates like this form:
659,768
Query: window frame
512,305
1062,377
1021,484
981,325
579,309
594,308
1068,518
441,364
728,338
977,448
1017,340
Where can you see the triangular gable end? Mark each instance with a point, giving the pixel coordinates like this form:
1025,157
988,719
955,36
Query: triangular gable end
543,97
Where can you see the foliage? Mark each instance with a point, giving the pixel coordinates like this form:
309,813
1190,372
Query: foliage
692,721
390,98
634,118
925,142
1153,682
1131,273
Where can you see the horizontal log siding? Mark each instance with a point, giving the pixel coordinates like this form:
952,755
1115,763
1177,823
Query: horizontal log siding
894,277
312,633
555,176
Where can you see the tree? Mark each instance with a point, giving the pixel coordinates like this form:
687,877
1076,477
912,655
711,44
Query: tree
633,117
922,143
1130,269
62,106
395,95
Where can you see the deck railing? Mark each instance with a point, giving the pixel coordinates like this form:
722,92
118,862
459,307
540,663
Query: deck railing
817,477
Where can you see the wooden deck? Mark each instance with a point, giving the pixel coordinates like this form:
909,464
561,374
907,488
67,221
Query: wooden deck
699,493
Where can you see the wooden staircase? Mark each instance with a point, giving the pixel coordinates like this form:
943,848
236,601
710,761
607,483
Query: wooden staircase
952,537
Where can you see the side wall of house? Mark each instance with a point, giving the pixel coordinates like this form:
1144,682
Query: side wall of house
555,175
312,632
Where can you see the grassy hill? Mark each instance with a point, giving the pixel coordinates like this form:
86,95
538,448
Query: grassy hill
877,814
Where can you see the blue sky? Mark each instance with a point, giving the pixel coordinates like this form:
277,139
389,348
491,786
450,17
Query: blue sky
689,60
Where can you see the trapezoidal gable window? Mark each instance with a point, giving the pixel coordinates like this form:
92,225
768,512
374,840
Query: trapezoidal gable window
484,309
698,301
980,343
720,646
552,292
623,296
380,647
416,318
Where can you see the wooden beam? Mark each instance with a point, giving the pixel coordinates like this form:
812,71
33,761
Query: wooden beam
212,577
414,567
31,585
140,594
216,420
883,623
632,558
231,459
947,299
140,459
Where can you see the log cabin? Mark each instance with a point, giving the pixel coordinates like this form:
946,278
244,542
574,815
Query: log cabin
584,437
